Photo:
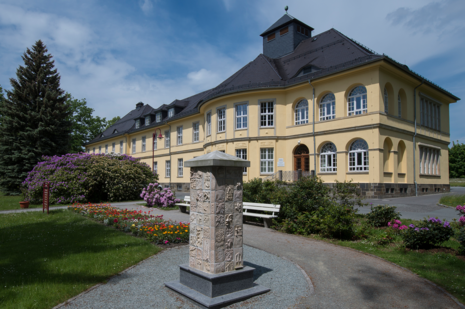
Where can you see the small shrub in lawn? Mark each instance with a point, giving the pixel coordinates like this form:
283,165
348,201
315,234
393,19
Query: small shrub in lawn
396,226
382,215
461,210
385,238
427,234
156,196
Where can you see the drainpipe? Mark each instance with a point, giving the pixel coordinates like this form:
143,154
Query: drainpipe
414,135
314,139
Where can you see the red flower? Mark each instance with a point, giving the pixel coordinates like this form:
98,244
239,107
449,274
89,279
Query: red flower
116,220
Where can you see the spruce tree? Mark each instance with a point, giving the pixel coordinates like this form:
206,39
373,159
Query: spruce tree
34,118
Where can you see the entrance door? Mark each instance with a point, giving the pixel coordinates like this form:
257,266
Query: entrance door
301,159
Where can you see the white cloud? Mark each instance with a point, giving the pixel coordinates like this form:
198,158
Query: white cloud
228,4
146,6
204,77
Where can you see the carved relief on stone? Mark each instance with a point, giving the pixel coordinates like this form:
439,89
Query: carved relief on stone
192,218
193,208
219,208
199,218
206,266
192,251
229,243
219,237
206,250
228,220
219,196
198,238
192,239
196,179
238,242
238,260
228,255
229,193
219,256
218,268
238,186
199,264
219,220
238,196
206,181
206,232
229,232
229,209
238,218
192,262
228,266
199,254
238,207
238,230
203,197
206,220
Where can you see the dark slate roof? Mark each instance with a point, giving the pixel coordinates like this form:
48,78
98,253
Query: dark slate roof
286,19
329,52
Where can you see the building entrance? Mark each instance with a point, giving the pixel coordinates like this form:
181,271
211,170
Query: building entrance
301,158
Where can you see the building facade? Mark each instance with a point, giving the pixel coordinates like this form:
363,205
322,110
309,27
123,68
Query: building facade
321,103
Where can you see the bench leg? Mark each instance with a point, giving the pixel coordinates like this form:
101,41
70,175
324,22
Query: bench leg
182,209
267,222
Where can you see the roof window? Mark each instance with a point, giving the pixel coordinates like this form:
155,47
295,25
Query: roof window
115,131
271,37
171,112
302,30
284,31
137,123
147,120
158,117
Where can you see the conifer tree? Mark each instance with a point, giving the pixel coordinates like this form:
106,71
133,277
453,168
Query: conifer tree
34,118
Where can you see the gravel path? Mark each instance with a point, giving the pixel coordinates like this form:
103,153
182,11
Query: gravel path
142,286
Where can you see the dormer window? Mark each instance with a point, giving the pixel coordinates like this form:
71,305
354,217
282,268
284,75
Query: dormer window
302,30
308,70
171,112
102,135
284,31
271,37
137,123
147,120
115,131
158,117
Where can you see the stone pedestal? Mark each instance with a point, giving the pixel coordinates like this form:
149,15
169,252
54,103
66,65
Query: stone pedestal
215,274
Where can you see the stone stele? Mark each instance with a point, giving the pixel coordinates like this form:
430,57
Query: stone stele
215,275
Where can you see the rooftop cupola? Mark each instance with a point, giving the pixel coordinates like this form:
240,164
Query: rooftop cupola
284,35
139,105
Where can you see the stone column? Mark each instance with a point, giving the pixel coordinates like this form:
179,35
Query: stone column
215,244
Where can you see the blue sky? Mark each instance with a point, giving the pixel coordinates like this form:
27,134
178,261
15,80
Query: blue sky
117,53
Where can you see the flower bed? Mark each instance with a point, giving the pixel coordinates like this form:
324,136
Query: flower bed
139,223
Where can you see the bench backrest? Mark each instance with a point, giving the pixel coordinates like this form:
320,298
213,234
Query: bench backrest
251,206
187,198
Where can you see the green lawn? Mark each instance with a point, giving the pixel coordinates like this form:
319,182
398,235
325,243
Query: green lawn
444,269
452,200
47,259
12,202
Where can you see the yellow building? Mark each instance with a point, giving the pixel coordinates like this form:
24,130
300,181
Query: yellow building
319,103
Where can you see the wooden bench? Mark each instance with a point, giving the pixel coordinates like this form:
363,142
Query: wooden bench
183,206
272,210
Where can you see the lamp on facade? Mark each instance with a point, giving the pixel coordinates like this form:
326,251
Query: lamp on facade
160,136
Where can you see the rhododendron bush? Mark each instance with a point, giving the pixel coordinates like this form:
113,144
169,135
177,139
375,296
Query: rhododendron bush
156,196
82,177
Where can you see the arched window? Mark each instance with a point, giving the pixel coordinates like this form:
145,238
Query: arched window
301,112
328,107
399,106
358,156
328,158
386,101
357,104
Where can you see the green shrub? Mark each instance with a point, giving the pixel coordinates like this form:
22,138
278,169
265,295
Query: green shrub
82,177
334,220
382,215
461,239
429,233
259,191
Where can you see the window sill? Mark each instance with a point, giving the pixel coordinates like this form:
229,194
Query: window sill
268,174
390,173
272,127
429,175
401,174
241,129
220,132
358,172
327,173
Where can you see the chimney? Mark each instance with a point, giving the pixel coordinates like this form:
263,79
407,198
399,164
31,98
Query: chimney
139,105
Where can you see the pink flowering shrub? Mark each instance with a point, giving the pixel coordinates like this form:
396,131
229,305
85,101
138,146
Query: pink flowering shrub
461,210
397,225
154,195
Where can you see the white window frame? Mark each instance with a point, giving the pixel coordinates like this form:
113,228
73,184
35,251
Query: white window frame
133,146
209,123
168,168
352,103
106,148
171,112
430,114
113,148
221,120
266,161
100,149
167,139
329,100
179,135
158,117
155,142
386,101
328,159
241,112
180,167
137,123
242,153
121,147
93,150
143,143
147,120
356,155
301,112
155,167
430,161
196,132
266,117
